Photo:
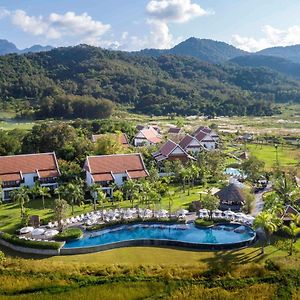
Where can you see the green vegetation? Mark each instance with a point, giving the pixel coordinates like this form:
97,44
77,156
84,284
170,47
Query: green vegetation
69,234
203,223
161,85
28,243
287,155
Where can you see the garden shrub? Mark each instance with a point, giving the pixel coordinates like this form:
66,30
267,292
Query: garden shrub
69,234
203,223
30,244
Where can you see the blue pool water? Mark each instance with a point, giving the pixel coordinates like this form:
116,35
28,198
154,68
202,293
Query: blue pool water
233,172
219,234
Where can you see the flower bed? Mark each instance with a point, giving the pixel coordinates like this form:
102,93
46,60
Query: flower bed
69,234
12,239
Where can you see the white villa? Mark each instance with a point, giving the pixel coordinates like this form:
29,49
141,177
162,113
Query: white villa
146,137
26,170
203,138
116,168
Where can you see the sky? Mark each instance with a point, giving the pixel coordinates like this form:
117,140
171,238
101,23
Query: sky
251,25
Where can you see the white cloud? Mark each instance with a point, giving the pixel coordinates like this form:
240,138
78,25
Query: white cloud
3,12
58,26
178,11
161,13
272,37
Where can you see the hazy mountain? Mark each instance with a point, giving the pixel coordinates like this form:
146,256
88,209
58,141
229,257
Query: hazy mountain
278,64
7,47
36,48
204,49
291,53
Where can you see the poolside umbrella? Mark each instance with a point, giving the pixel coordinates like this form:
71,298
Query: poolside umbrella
240,215
203,211
26,230
51,232
229,213
217,211
38,231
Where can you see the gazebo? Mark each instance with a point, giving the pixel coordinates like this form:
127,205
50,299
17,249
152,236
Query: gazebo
231,198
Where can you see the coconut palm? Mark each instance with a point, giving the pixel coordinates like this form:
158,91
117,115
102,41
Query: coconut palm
268,222
44,192
128,188
94,189
210,202
118,196
101,198
20,196
292,231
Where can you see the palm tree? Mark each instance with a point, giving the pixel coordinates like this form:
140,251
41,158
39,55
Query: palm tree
268,222
293,231
94,190
44,192
286,189
74,194
118,196
35,190
101,198
210,202
20,196
128,188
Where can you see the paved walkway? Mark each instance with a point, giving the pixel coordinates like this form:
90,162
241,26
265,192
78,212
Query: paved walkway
259,203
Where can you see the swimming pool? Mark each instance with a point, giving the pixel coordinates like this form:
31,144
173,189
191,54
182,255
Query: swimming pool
176,234
233,172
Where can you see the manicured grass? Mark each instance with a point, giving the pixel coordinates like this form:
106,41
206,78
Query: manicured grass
287,155
10,219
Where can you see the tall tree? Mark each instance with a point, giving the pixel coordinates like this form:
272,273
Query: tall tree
210,202
60,211
292,230
269,223
21,197
44,192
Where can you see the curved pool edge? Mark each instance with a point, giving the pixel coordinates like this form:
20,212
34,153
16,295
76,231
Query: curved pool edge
157,243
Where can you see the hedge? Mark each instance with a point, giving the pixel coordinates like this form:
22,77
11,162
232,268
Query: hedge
203,223
69,234
134,221
208,222
30,244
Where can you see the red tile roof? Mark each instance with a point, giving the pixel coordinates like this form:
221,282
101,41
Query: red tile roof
48,173
174,130
167,148
116,164
151,135
11,177
137,174
185,141
28,163
203,129
103,177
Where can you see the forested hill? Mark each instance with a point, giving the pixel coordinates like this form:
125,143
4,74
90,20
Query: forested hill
161,85
204,49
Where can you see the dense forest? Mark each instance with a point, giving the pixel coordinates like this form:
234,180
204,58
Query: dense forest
68,77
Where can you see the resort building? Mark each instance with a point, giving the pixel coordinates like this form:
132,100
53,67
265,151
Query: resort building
106,170
203,138
288,213
26,170
120,138
171,151
231,198
146,137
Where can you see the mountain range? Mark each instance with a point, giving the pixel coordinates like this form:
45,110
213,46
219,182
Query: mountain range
7,47
285,60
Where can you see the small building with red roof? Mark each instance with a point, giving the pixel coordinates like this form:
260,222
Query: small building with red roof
116,168
26,170
203,138
171,151
146,137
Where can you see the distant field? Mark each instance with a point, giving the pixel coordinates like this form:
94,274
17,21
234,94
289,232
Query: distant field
287,156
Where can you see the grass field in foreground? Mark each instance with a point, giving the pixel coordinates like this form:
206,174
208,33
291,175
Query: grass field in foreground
287,155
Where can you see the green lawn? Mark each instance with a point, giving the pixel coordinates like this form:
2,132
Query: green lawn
10,212
287,155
